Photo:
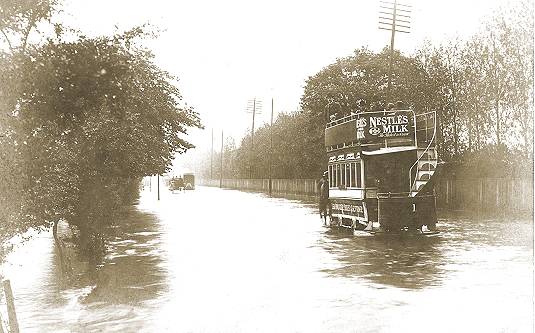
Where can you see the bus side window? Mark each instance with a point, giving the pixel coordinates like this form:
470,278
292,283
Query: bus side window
348,174
343,169
330,175
344,172
370,172
357,174
338,175
352,174
334,175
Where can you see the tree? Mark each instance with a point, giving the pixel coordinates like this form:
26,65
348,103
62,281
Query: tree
443,92
18,18
92,117
359,83
514,25
481,89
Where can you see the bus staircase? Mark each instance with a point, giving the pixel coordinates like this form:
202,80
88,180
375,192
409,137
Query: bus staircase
427,159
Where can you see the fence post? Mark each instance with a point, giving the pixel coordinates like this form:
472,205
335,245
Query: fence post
509,198
447,193
521,198
480,193
12,315
497,194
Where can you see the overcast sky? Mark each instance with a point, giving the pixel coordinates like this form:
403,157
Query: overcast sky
227,52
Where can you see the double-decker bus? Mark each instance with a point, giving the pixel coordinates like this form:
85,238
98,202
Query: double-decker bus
382,166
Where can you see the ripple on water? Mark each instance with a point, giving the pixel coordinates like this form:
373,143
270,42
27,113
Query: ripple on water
279,271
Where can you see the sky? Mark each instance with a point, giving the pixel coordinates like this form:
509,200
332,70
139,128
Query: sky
226,53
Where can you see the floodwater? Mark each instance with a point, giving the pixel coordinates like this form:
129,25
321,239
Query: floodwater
213,260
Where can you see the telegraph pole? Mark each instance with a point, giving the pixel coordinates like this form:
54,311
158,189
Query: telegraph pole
394,17
221,165
252,141
253,107
270,147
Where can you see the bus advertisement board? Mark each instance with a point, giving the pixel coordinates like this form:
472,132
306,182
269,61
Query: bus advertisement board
375,127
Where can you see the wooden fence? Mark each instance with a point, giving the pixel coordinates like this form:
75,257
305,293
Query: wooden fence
279,186
508,195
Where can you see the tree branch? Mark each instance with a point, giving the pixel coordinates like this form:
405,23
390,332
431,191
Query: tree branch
7,39
31,23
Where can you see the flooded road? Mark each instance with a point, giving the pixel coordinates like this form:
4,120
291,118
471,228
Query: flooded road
213,260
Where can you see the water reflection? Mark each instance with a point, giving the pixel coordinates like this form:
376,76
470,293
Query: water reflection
416,263
214,260
132,270
111,297
400,262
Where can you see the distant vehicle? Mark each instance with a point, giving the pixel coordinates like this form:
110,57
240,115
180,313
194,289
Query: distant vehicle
381,169
176,184
189,181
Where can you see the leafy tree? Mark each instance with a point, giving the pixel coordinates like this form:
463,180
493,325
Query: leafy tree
481,88
359,83
474,96
19,18
298,151
92,117
514,25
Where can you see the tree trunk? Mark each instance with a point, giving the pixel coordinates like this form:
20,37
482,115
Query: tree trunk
478,134
455,135
454,109
59,246
526,135
497,106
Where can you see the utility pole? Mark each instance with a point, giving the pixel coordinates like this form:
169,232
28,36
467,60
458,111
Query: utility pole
212,156
394,17
253,107
221,165
270,147
10,302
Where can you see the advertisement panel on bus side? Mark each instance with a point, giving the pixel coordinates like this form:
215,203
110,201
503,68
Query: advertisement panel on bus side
375,127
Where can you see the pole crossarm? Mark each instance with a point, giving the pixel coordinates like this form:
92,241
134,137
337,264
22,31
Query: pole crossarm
391,19
396,9
396,3
389,13
254,105
402,15
396,30
397,25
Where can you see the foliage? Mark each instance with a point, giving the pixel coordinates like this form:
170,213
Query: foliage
504,163
485,85
18,18
481,88
359,83
295,155
86,120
